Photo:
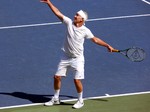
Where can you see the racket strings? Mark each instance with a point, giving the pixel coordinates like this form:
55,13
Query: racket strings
136,54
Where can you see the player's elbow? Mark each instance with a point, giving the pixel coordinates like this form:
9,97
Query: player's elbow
95,40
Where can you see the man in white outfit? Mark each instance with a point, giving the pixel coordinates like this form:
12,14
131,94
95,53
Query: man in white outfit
72,56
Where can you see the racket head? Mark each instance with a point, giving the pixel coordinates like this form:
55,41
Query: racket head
135,54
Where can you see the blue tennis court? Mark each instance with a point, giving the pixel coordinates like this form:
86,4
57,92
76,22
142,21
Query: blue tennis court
31,38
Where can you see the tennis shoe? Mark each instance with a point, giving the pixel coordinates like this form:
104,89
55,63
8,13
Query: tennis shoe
78,104
53,101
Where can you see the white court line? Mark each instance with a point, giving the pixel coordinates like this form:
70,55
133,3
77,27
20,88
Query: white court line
119,17
89,98
146,2
30,25
54,23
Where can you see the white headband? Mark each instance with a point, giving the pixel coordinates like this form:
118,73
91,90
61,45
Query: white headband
83,14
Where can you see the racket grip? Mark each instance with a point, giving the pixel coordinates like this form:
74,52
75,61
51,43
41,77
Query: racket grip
115,50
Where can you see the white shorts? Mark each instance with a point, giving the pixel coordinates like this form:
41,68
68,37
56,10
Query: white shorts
76,65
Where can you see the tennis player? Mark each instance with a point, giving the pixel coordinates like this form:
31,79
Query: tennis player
72,56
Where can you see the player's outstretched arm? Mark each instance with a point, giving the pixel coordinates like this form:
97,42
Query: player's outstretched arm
102,43
54,9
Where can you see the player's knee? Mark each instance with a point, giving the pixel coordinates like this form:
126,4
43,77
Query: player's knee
57,77
77,81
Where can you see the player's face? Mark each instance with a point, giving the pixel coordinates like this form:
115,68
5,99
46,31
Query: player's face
77,18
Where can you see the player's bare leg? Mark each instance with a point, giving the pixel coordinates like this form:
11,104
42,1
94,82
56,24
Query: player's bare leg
79,89
57,86
78,85
57,82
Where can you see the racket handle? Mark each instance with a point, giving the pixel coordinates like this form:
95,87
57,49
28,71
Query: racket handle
115,50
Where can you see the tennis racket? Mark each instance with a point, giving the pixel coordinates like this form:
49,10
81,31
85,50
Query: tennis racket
134,54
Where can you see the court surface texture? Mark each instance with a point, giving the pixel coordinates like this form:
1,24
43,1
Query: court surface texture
30,41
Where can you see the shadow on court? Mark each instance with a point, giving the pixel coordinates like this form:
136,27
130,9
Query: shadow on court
34,98
103,100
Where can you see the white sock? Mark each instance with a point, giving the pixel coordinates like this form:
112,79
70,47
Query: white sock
56,95
80,96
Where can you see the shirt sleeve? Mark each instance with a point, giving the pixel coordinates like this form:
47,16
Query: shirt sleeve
66,20
89,34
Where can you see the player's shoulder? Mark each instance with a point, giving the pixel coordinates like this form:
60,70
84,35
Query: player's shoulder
66,19
86,28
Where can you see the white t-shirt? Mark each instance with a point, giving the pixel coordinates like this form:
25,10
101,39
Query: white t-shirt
73,43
